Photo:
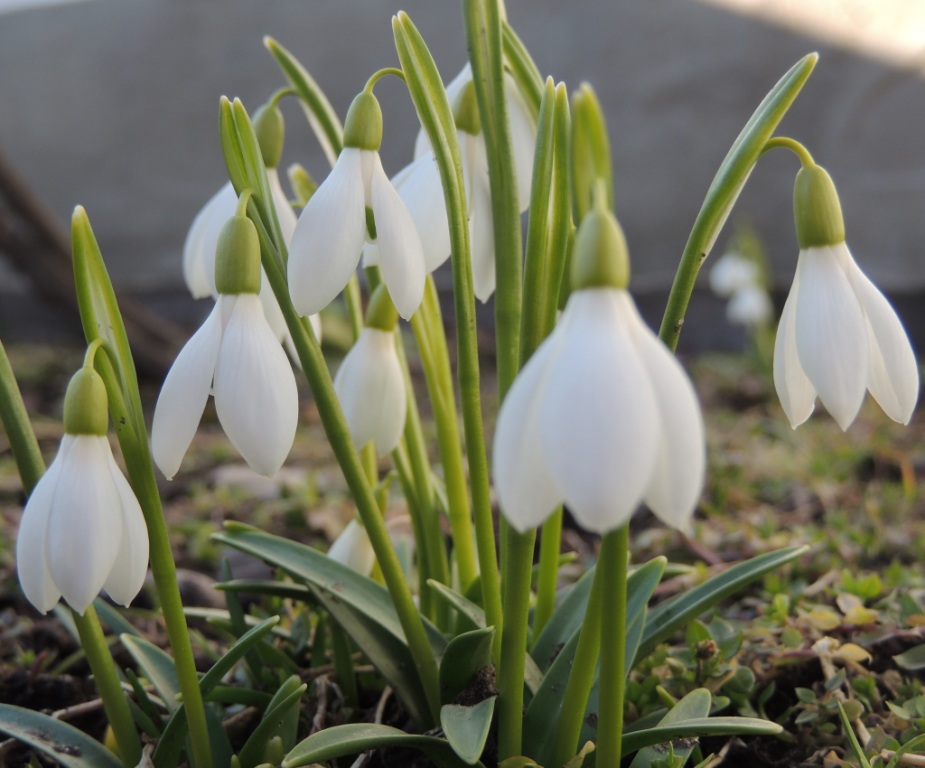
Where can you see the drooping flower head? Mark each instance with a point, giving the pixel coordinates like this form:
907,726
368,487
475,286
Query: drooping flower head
82,529
602,417
236,356
202,238
370,384
838,335
334,225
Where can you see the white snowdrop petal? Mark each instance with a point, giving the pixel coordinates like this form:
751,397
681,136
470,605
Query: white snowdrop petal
750,306
31,552
420,188
422,143
894,373
329,236
255,392
284,213
831,334
481,219
794,390
202,240
401,256
184,394
128,572
354,549
731,273
523,139
677,481
599,418
525,486
85,524
370,257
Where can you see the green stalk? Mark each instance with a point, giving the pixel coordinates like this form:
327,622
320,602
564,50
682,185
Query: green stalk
581,677
18,428
343,664
613,566
107,683
548,578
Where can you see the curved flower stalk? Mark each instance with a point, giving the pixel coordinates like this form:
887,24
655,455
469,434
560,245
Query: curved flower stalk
602,417
370,383
333,227
236,356
838,336
419,183
82,529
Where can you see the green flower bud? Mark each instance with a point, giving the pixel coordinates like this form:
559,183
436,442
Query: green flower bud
381,313
302,183
816,209
466,111
363,126
600,258
86,405
237,257
271,130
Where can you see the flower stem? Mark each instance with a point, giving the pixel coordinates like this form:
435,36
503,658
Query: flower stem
547,581
785,142
18,428
613,566
107,683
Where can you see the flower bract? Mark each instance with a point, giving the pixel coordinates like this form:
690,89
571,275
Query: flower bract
235,356
82,530
602,418
371,388
839,338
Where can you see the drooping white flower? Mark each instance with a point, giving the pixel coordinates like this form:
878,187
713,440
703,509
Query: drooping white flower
82,529
750,306
731,273
354,549
602,417
332,229
838,336
236,357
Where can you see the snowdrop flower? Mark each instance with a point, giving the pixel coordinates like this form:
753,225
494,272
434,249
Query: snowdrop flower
236,356
333,226
733,272
838,336
354,549
82,529
420,187
602,417
750,306
370,384
202,238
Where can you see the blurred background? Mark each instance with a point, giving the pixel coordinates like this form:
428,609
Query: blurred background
114,106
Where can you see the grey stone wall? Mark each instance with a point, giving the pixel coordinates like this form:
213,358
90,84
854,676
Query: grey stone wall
113,105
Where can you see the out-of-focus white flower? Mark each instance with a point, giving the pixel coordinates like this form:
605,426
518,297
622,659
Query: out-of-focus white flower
332,229
839,337
733,272
750,306
82,529
602,417
354,549
202,240
371,389
235,356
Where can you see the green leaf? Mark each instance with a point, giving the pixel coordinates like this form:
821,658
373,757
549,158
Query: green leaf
321,115
725,188
470,613
695,727
668,617
567,618
344,740
113,619
522,67
852,737
465,655
280,720
157,666
466,728
696,704
63,743
912,660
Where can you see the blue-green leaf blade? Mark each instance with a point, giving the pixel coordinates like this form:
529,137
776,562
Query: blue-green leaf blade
62,742
466,728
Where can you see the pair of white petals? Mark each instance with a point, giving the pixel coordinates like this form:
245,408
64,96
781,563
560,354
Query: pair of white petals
82,530
331,231
371,388
838,338
601,418
235,356
202,241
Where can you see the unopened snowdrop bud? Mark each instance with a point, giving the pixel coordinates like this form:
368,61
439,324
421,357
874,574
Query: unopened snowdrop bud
332,228
82,530
838,336
302,183
270,129
602,417
370,384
